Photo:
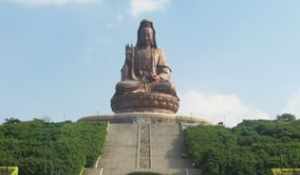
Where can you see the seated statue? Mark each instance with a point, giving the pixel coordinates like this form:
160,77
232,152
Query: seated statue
145,70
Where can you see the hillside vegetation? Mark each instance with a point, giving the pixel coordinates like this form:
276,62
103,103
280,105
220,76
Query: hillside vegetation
43,148
251,148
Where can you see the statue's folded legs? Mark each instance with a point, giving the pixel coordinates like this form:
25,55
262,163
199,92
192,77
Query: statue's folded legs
164,87
132,86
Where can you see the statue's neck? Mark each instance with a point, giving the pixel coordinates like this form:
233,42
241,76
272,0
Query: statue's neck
145,46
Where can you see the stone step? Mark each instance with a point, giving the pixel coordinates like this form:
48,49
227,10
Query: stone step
92,171
120,147
163,172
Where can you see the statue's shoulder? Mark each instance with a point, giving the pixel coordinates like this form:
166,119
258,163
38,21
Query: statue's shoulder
159,51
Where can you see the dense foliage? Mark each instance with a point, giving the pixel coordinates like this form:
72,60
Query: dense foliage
43,148
252,147
9,171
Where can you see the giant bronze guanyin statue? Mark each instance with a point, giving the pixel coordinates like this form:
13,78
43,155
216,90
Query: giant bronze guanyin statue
145,85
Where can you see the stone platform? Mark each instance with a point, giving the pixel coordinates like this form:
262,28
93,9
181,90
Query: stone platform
151,142
133,117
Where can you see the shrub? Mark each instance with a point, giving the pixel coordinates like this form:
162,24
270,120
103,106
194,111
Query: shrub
38,147
252,147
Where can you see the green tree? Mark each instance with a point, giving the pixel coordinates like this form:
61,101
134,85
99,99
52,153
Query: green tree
40,147
252,147
12,120
286,117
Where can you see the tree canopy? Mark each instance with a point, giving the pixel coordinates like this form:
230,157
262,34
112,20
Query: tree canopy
252,147
44,148
286,116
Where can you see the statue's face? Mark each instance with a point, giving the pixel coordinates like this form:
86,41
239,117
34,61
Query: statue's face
147,36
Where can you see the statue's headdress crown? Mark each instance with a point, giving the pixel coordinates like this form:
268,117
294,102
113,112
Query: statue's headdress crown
146,23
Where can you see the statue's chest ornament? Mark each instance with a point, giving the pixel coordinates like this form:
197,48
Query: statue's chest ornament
144,60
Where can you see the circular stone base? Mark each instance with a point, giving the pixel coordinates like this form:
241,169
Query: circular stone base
145,102
136,117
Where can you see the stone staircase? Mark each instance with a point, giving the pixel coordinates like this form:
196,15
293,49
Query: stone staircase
144,146
120,149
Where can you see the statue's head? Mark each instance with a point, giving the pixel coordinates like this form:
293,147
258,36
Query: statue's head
146,35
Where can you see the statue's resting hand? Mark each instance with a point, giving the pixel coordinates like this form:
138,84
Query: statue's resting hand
156,78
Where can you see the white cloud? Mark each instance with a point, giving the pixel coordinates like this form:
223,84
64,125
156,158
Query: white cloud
141,6
215,108
293,104
50,2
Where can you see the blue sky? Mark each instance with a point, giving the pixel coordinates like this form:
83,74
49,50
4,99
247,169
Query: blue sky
232,60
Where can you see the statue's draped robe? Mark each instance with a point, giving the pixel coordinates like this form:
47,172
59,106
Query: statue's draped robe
138,70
